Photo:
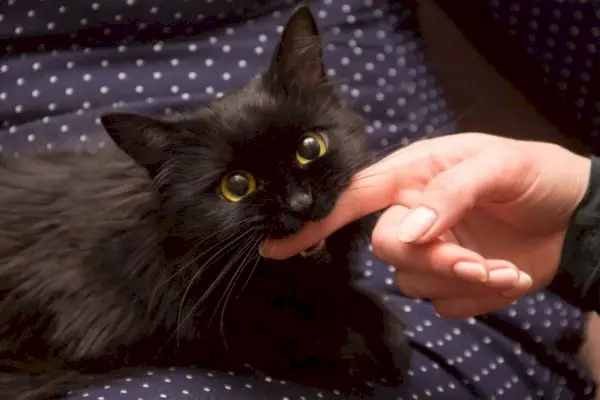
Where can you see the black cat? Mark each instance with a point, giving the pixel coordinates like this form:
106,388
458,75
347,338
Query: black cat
147,255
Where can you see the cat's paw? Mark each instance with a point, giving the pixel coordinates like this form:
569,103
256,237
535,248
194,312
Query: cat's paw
394,368
378,346
369,361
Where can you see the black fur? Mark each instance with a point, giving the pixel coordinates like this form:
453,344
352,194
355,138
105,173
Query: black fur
119,259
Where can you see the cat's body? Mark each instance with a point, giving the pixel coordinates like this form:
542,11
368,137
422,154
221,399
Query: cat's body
141,257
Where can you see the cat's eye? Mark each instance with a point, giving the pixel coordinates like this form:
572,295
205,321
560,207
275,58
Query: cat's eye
237,185
312,146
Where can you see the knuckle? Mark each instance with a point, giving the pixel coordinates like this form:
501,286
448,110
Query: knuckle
443,186
510,159
444,189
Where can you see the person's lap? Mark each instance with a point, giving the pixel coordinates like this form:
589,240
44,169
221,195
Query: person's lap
383,73
460,358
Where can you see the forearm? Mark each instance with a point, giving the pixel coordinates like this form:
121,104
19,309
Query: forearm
578,276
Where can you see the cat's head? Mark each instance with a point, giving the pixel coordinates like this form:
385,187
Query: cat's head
267,157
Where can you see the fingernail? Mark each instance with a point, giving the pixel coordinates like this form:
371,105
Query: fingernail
504,276
415,224
523,284
261,250
471,270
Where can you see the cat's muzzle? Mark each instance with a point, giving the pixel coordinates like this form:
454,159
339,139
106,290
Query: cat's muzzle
311,251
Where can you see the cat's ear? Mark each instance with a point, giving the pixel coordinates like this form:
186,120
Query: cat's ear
143,138
298,59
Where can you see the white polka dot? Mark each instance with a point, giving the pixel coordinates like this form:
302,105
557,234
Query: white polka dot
157,47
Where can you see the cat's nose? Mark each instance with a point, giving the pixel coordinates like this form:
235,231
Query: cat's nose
301,202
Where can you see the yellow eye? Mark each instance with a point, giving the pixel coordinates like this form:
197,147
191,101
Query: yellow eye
312,145
237,185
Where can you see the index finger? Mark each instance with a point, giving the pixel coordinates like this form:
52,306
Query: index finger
377,187
372,189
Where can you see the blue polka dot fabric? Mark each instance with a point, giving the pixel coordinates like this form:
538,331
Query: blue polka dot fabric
65,62
562,39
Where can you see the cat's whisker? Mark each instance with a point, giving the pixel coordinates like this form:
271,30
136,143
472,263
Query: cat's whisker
228,243
201,242
248,249
193,260
258,257
209,290
224,244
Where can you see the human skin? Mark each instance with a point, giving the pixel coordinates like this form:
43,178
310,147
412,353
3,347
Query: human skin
471,221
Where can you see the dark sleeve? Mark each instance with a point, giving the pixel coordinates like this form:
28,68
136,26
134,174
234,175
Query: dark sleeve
578,277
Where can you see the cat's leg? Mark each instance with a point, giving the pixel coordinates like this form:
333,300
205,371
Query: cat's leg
378,333
394,369
373,328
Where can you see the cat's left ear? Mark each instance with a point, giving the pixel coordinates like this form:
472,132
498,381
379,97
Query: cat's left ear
298,59
143,138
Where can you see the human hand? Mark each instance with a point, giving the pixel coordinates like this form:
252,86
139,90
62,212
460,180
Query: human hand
462,212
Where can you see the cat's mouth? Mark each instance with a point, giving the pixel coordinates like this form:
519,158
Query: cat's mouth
311,251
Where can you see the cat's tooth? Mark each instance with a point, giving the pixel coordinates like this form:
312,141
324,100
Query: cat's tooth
313,250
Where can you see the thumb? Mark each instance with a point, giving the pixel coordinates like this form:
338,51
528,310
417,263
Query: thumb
497,175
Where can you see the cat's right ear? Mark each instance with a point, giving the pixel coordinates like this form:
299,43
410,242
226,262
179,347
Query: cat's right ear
143,138
298,58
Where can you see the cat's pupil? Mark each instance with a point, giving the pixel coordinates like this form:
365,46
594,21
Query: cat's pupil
238,185
309,148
